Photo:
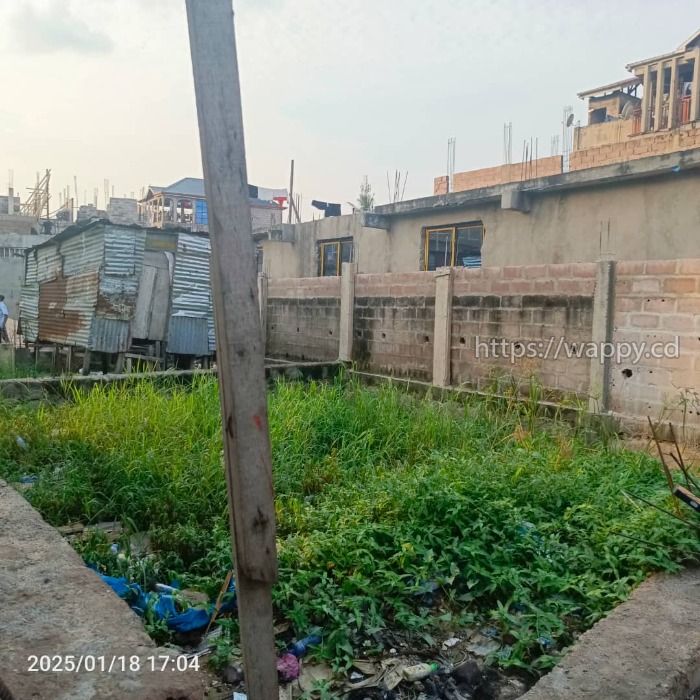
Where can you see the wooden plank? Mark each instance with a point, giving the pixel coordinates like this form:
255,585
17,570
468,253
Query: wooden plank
687,497
240,353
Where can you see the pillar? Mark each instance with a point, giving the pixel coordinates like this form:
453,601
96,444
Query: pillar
659,103
601,332
673,102
695,89
442,337
646,99
262,302
347,310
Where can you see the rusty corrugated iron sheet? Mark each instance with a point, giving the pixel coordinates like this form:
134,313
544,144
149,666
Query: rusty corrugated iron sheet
29,300
188,335
191,298
48,262
83,252
66,308
109,335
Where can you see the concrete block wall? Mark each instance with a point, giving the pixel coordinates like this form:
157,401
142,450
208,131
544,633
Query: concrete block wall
533,307
393,323
303,317
581,324
658,301
639,146
499,175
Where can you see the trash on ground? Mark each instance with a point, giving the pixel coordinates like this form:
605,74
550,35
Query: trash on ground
232,674
313,674
288,667
21,443
469,673
164,605
301,647
418,672
451,642
483,645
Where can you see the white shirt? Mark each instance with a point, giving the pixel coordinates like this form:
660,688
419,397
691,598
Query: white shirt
4,313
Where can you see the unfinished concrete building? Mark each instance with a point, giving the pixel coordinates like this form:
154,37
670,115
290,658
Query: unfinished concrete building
645,209
183,204
653,111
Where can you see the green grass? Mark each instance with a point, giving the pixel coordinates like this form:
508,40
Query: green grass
520,520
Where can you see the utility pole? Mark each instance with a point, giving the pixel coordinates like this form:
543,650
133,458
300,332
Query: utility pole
240,352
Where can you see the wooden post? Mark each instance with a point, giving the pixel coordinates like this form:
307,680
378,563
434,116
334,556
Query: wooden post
262,299
291,193
240,353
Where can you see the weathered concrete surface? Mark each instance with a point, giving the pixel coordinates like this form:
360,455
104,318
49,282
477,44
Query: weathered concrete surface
51,603
648,648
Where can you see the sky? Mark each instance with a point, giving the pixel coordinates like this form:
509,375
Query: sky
102,89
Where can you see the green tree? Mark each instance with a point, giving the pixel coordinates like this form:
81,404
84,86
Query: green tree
365,202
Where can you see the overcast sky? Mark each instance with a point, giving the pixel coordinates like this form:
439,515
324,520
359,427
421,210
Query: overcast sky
102,89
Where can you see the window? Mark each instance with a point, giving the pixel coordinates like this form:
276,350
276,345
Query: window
458,245
332,255
6,252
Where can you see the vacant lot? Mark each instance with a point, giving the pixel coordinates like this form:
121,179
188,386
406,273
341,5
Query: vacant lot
394,513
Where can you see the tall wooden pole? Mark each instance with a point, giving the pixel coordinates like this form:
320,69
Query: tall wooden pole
291,193
240,353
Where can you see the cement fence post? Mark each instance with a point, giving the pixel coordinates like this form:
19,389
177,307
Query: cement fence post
347,308
601,333
442,337
262,301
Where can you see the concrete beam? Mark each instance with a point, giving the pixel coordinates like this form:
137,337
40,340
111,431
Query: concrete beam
515,200
347,308
646,649
601,334
372,220
442,337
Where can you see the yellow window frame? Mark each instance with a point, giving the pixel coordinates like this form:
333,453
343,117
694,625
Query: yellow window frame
322,251
452,230
439,229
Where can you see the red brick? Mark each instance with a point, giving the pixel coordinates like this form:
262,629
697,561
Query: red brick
680,285
659,304
644,320
660,267
691,266
690,305
677,322
630,267
647,285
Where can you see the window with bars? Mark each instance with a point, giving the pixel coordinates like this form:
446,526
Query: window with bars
6,252
457,245
332,255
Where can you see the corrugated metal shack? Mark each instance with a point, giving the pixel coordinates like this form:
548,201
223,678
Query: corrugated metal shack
114,288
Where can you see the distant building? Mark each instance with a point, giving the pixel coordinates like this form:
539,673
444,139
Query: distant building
183,204
621,125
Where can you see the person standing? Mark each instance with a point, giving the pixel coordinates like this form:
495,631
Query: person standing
4,315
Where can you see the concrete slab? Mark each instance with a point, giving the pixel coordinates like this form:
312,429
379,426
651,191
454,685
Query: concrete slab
648,648
54,606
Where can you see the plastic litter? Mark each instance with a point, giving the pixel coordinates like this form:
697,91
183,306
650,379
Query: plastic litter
419,671
21,443
163,604
28,479
288,667
301,647
451,642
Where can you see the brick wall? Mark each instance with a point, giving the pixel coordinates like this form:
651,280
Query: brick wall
658,302
634,147
499,175
303,318
394,322
526,305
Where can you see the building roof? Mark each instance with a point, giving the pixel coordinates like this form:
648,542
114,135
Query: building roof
194,187
610,87
692,41
664,166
